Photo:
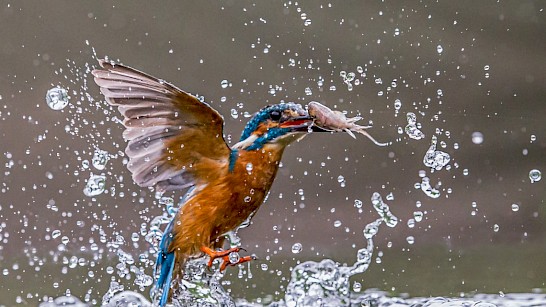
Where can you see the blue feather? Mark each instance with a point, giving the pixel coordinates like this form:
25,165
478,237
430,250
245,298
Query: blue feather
233,155
271,134
165,264
262,116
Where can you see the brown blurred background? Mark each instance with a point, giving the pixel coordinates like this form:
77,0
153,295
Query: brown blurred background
489,77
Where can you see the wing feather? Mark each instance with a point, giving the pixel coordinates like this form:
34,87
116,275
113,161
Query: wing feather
172,136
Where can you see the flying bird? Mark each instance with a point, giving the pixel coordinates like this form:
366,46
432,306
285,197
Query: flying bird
175,142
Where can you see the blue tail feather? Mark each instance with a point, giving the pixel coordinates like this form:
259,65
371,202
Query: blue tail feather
165,265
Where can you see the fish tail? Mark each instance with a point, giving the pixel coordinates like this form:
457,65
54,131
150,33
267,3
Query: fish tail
365,133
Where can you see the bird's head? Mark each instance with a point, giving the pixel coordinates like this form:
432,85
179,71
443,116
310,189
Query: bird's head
278,124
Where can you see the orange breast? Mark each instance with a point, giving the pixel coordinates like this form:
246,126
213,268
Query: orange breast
227,201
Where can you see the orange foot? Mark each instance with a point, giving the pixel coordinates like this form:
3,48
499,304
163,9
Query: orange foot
224,254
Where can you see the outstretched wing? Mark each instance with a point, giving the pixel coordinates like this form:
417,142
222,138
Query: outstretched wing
173,138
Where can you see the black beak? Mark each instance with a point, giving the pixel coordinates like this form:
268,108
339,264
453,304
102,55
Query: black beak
301,123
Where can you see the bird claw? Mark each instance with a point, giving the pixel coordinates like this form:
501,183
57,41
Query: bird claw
225,255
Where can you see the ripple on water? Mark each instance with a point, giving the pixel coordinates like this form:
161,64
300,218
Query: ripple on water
371,298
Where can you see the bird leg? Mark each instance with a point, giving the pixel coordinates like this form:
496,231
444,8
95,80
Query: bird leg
225,255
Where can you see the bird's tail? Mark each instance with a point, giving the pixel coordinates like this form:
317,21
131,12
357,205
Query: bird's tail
164,266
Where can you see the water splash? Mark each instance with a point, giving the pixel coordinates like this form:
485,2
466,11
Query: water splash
435,159
198,287
370,298
411,128
325,283
383,210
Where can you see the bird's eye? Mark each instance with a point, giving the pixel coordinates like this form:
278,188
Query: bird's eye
275,115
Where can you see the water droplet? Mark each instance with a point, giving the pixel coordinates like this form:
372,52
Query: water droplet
249,167
357,287
55,234
390,196
65,240
515,207
418,215
535,175
264,266
95,185
383,210
477,137
247,199
411,223
358,203
337,223
435,159
439,49
224,83
143,280
340,179
411,128
397,104
428,189
410,239
308,91
234,113
234,257
100,158
296,248
57,98
496,228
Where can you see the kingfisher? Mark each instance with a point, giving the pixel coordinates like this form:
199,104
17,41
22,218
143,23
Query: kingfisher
175,142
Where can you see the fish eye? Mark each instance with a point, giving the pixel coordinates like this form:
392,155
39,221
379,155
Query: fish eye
275,115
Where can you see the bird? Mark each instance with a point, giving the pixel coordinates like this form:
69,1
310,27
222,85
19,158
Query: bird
175,142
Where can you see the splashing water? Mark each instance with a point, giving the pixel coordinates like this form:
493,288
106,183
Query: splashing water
435,159
370,298
411,128
325,283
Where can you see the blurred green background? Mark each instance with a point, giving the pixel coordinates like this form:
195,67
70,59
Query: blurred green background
461,66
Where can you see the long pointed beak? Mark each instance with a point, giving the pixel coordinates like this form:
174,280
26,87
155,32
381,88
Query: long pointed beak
300,123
